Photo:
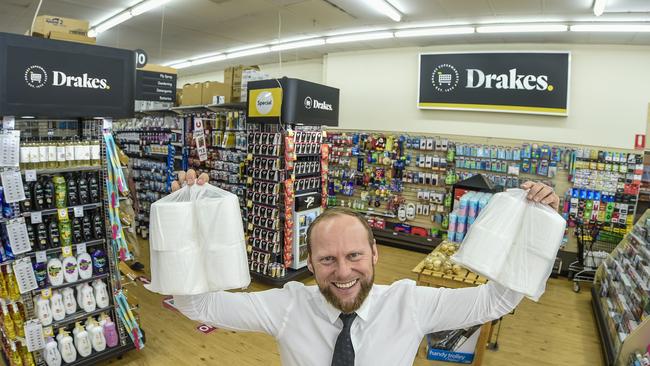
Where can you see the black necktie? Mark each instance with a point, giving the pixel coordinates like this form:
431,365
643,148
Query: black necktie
343,350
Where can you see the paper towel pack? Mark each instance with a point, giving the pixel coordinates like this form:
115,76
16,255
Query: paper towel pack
514,242
197,242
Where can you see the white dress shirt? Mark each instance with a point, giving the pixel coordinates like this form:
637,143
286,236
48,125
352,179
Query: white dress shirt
387,331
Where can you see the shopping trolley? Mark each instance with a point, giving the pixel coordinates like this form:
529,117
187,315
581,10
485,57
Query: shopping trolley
444,79
584,268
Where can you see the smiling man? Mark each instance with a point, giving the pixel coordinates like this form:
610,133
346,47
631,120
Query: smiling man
347,320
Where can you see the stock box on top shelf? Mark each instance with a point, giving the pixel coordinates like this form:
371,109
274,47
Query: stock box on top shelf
45,24
212,89
192,94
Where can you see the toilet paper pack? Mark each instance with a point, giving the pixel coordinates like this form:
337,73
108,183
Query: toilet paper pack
197,242
514,242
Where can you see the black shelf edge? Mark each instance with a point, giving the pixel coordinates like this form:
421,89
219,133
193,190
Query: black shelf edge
79,315
52,211
64,170
150,129
406,241
108,353
101,276
291,275
605,339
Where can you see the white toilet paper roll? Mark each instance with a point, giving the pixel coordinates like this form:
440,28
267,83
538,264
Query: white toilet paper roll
179,272
543,230
171,226
225,269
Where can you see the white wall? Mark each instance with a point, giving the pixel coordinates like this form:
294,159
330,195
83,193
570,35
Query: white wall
608,103
310,70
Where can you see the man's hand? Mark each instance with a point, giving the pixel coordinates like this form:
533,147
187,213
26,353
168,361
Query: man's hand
190,179
540,192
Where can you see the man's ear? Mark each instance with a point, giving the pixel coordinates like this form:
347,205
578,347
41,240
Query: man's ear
309,265
375,252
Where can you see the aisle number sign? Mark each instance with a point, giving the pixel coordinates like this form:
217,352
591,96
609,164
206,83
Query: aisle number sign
514,82
265,102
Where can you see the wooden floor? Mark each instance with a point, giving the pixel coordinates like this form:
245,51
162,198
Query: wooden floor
559,330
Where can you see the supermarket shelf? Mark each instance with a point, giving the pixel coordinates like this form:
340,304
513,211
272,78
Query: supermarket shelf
155,111
406,241
148,129
228,106
603,330
72,283
53,211
176,144
65,170
97,357
291,275
376,213
79,315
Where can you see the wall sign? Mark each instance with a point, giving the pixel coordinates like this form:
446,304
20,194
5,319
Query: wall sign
307,201
302,102
514,82
49,78
155,86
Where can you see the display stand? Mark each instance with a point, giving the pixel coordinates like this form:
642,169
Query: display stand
465,278
619,295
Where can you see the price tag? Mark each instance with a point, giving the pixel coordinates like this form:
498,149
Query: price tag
8,122
41,257
30,175
250,227
48,332
36,217
47,293
25,275
79,211
18,237
34,336
62,213
107,124
12,183
249,157
10,148
67,251
81,248
198,126
249,203
249,180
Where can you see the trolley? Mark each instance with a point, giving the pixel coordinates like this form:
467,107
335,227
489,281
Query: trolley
583,270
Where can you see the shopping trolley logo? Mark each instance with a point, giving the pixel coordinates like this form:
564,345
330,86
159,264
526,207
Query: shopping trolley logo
444,78
316,104
264,102
308,103
36,76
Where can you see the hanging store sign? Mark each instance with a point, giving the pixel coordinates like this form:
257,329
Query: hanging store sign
49,78
514,82
155,86
303,102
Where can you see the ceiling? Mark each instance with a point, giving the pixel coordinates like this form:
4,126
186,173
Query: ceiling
188,28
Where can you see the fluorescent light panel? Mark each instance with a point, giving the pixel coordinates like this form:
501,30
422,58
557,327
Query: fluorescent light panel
254,51
145,6
599,7
385,8
522,28
424,32
610,28
359,37
299,44
140,8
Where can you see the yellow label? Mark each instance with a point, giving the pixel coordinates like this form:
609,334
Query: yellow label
67,251
265,102
47,293
48,332
63,213
249,180
249,204
249,157
250,227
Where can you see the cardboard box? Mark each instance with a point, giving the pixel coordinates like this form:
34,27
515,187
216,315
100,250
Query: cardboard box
233,75
192,94
72,37
45,24
179,97
215,88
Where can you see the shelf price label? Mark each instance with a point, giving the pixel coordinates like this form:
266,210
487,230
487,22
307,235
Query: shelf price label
34,336
18,236
12,183
62,213
30,175
9,148
41,257
67,251
81,248
36,217
79,211
8,122
25,275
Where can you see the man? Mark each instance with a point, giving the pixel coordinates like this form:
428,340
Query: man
346,320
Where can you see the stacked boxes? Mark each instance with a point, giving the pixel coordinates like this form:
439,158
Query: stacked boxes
238,77
462,218
65,29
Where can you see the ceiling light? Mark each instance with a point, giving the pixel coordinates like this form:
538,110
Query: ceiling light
145,6
385,8
599,7
292,39
300,44
611,28
182,65
522,28
27,117
246,47
433,31
111,22
208,60
254,51
359,37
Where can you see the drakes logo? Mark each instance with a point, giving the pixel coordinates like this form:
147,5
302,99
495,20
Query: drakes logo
444,78
35,76
477,78
324,106
264,102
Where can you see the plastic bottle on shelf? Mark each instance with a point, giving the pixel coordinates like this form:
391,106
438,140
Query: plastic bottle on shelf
66,346
8,323
60,194
51,154
49,192
16,360
82,340
42,155
33,155
17,318
60,154
3,287
86,158
95,153
25,162
28,360
12,285
69,153
78,153
96,335
110,333
52,355
56,304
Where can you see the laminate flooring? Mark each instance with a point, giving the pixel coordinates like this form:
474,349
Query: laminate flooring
558,330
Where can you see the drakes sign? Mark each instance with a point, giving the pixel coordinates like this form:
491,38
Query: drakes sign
529,82
48,78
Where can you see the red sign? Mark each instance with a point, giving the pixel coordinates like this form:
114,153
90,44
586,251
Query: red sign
205,329
639,142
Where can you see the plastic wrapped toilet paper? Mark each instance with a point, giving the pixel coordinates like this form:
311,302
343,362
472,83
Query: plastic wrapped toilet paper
514,242
197,242
487,244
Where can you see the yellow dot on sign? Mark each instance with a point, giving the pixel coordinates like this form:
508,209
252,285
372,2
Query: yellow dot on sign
108,87
550,88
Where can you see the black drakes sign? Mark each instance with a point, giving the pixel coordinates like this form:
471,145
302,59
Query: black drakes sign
516,82
48,78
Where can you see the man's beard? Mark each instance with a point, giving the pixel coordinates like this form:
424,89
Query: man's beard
366,285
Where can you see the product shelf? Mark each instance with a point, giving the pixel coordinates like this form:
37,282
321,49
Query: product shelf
80,281
603,330
291,275
226,106
53,211
65,170
108,353
405,241
79,315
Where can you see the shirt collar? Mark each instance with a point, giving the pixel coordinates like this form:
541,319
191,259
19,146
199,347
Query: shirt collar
333,313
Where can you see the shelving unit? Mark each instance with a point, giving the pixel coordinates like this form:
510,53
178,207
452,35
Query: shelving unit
620,295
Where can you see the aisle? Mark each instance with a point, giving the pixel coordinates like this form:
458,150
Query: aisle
559,330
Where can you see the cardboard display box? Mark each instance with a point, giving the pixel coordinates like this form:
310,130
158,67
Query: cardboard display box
45,24
215,88
192,94
72,37
233,75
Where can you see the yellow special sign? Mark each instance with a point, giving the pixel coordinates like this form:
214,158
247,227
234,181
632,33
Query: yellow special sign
265,102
